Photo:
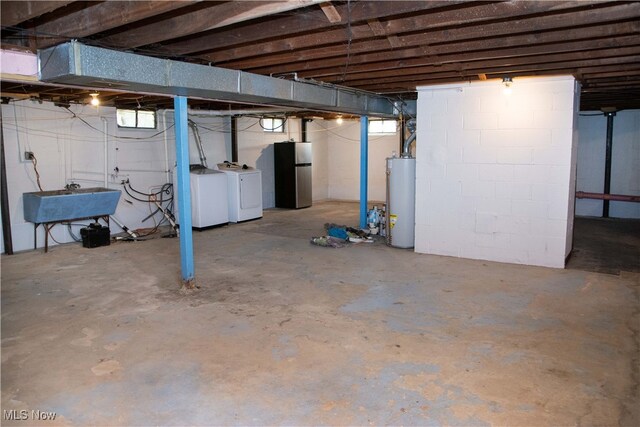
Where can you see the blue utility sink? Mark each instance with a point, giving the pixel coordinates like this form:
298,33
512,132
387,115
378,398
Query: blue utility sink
63,205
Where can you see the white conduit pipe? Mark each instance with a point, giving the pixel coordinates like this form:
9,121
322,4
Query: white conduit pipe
167,169
106,151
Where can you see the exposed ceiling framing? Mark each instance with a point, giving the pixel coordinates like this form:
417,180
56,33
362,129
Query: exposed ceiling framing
388,47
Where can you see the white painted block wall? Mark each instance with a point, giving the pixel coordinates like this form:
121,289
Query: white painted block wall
320,166
625,162
495,173
255,148
69,150
343,158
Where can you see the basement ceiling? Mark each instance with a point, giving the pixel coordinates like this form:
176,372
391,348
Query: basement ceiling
387,47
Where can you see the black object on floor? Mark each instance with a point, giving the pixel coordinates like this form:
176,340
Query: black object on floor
95,235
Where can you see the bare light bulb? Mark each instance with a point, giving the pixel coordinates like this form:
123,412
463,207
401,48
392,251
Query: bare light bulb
94,99
339,120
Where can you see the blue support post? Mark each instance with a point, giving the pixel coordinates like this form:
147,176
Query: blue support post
184,189
364,169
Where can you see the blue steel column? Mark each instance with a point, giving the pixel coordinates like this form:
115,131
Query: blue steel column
364,169
184,188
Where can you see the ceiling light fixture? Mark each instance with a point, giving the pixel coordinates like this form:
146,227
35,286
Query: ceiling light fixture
94,99
339,120
507,82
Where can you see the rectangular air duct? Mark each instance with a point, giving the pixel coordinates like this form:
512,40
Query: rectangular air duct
78,64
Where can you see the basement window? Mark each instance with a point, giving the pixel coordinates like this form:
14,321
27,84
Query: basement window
136,119
383,127
272,125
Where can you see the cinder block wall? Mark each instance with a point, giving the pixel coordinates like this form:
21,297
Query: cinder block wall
495,173
255,148
70,151
343,159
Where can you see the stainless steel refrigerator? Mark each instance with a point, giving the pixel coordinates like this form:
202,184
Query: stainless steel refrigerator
292,164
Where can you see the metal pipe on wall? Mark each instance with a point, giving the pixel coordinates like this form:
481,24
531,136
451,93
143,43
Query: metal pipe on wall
607,197
234,139
166,146
406,147
607,163
105,149
196,136
303,129
4,197
401,125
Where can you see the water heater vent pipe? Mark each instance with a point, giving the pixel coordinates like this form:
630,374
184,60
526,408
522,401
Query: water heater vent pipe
406,151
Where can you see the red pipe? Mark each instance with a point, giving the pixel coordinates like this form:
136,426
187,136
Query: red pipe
599,196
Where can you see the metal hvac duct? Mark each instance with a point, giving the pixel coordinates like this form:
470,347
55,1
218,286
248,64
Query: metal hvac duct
78,64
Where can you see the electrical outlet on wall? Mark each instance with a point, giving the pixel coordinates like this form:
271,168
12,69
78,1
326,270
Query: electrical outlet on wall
28,155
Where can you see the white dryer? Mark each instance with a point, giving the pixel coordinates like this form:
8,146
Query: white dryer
244,188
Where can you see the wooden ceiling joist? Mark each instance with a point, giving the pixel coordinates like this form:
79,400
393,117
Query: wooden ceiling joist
422,27
375,28
567,60
456,52
495,30
285,26
101,16
15,12
512,70
330,12
217,15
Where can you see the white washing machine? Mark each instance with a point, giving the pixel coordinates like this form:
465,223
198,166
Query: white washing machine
244,188
209,200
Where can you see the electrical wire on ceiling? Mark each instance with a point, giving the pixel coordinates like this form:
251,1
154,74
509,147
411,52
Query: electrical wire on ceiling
281,126
52,134
224,129
150,139
350,34
116,136
330,131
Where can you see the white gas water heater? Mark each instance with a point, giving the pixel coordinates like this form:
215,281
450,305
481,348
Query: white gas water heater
401,196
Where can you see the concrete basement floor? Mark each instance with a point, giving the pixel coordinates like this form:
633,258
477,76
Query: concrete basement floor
286,333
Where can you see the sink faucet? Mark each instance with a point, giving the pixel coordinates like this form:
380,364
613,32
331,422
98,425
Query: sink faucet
72,186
